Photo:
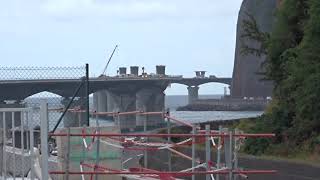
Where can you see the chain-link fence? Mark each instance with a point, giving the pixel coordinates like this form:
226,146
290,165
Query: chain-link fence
62,87
41,73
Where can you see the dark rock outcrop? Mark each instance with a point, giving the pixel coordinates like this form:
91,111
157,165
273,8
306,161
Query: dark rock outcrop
246,82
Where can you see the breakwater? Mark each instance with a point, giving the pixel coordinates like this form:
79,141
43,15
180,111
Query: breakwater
226,105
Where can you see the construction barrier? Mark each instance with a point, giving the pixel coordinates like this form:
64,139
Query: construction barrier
90,152
137,142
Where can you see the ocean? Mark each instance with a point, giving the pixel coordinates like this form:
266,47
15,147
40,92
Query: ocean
171,102
174,101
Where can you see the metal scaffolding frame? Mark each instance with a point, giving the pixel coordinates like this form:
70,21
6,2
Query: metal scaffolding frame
223,140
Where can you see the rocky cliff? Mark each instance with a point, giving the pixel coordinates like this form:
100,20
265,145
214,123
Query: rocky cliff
246,81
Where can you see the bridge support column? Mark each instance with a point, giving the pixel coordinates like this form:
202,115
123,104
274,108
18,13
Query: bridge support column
74,119
100,101
193,94
95,101
150,100
123,102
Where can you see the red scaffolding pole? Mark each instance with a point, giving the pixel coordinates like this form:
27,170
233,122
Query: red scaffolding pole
172,173
159,135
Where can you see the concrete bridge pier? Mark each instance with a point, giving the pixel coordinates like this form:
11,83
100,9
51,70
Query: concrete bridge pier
150,100
100,101
95,101
74,119
123,102
193,94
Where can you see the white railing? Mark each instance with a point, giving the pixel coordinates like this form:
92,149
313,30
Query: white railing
18,152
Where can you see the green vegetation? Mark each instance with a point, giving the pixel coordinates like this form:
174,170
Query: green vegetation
293,64
176,130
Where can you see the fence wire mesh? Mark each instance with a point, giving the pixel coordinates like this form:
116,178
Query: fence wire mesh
34,85
32,73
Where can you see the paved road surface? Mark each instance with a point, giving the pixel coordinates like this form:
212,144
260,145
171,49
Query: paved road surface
286,170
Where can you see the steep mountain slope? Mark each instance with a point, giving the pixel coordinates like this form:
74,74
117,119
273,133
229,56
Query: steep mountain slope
246,81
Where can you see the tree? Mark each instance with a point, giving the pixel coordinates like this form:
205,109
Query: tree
253,32
293,63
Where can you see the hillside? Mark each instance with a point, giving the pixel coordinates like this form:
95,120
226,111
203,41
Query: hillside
292,53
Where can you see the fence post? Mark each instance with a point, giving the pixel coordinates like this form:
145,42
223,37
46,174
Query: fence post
208,150
83,157
98,146
13,143
4,145
194,131
228,150
87,95
145,128
230,163
31,144
68,154
236,145
22,142
44,139
169,141
219,153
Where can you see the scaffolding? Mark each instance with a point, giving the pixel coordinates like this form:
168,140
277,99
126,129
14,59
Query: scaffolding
84,152
222,140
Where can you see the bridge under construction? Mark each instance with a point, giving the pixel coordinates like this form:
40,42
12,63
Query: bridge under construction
121,93
51,138
105,153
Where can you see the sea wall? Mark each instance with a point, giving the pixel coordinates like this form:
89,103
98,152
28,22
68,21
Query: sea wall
226,105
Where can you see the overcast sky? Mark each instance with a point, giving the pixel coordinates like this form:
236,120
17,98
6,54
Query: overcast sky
184,35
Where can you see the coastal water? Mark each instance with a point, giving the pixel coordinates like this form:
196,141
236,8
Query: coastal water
187,116
172,102
196,117
204,116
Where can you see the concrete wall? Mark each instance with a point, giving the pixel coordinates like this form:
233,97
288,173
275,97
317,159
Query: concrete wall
74,119
123,102
150,100
193,94
100,101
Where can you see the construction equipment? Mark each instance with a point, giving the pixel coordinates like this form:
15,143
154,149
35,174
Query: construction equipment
105,68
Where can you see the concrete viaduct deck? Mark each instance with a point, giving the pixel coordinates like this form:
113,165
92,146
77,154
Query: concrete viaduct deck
21,89
110,94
